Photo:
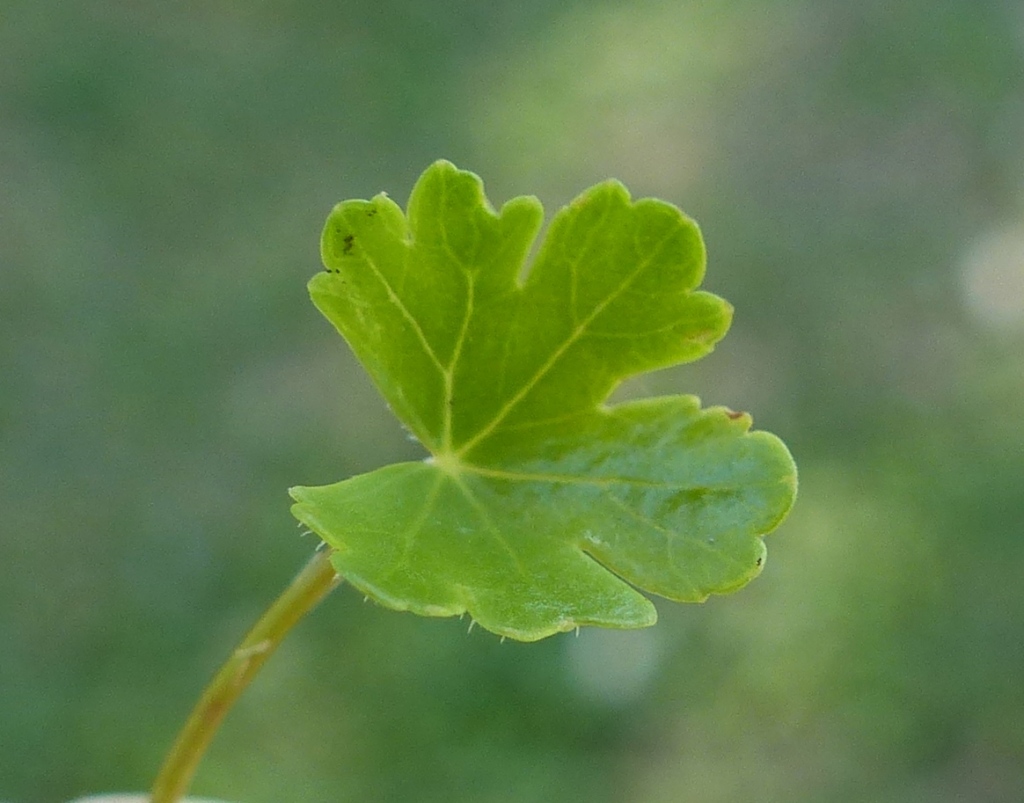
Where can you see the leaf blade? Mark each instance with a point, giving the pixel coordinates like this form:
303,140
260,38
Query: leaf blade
540,507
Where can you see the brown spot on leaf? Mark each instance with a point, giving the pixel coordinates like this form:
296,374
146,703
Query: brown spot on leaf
732,415
349,239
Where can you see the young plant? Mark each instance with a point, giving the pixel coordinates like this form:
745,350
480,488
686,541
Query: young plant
539,508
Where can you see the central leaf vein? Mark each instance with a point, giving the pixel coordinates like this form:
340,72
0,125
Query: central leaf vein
449,374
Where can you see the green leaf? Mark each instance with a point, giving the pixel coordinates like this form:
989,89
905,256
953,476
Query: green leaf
540,508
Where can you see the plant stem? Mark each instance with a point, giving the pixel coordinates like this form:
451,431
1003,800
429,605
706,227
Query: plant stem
316,579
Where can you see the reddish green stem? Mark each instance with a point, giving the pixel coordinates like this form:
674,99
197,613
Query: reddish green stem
316,579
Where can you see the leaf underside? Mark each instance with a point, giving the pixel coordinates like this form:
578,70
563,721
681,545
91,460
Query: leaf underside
540,508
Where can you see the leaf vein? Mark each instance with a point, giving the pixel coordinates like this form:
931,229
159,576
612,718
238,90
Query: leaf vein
572,479
417,526
557,354
672,536
396,300
481,511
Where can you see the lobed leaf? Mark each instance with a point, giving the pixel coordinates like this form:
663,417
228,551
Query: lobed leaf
539,508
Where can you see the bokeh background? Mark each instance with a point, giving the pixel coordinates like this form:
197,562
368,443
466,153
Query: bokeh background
165,168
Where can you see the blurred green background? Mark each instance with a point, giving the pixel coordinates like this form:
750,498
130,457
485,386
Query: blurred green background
165,168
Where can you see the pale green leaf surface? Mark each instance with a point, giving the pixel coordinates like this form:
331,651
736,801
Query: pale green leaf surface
540,508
